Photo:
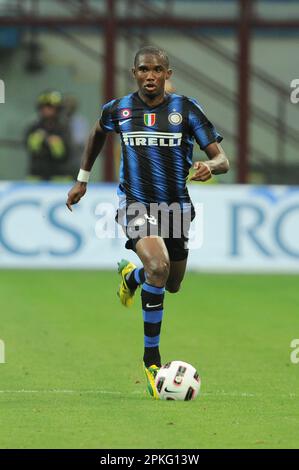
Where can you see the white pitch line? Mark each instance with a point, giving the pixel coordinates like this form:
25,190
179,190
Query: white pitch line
247,394
80,392
216,393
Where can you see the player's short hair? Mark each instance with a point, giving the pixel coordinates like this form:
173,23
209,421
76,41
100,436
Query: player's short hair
152,50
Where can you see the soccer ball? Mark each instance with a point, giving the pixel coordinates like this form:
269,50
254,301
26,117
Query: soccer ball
177,380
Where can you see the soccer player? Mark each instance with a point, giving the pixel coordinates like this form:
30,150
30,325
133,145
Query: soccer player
157,132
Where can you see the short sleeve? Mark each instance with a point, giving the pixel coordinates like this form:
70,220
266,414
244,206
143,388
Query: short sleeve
202,129
106,121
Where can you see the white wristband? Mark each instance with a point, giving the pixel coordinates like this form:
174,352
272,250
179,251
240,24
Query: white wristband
83,176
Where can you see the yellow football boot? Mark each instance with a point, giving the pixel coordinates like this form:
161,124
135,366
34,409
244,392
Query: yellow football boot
150,374
125,295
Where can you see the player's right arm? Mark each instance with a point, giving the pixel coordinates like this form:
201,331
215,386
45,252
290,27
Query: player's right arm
92,149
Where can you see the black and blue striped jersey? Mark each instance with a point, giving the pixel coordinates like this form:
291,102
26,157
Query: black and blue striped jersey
157,145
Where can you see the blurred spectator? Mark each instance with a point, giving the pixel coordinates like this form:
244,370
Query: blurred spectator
47,140
78,127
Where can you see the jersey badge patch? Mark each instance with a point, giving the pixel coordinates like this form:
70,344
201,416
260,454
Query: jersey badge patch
150,119
125,113
175,118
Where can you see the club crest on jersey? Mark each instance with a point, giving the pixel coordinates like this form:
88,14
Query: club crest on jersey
150,119
125,113
175,118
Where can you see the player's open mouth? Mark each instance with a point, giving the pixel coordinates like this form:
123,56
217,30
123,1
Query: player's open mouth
150,86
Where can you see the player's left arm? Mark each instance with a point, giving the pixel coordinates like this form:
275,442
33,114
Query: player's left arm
218,163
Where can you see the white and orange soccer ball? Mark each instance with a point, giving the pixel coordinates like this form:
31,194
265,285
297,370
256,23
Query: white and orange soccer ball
177,380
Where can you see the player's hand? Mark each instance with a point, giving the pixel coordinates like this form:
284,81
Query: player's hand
75,194
202,172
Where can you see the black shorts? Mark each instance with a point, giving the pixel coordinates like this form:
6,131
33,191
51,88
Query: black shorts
172,223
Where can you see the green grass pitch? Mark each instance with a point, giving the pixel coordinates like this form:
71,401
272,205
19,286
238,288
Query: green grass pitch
73,374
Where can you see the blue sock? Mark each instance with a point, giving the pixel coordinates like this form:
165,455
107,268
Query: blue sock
152,307
135,278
